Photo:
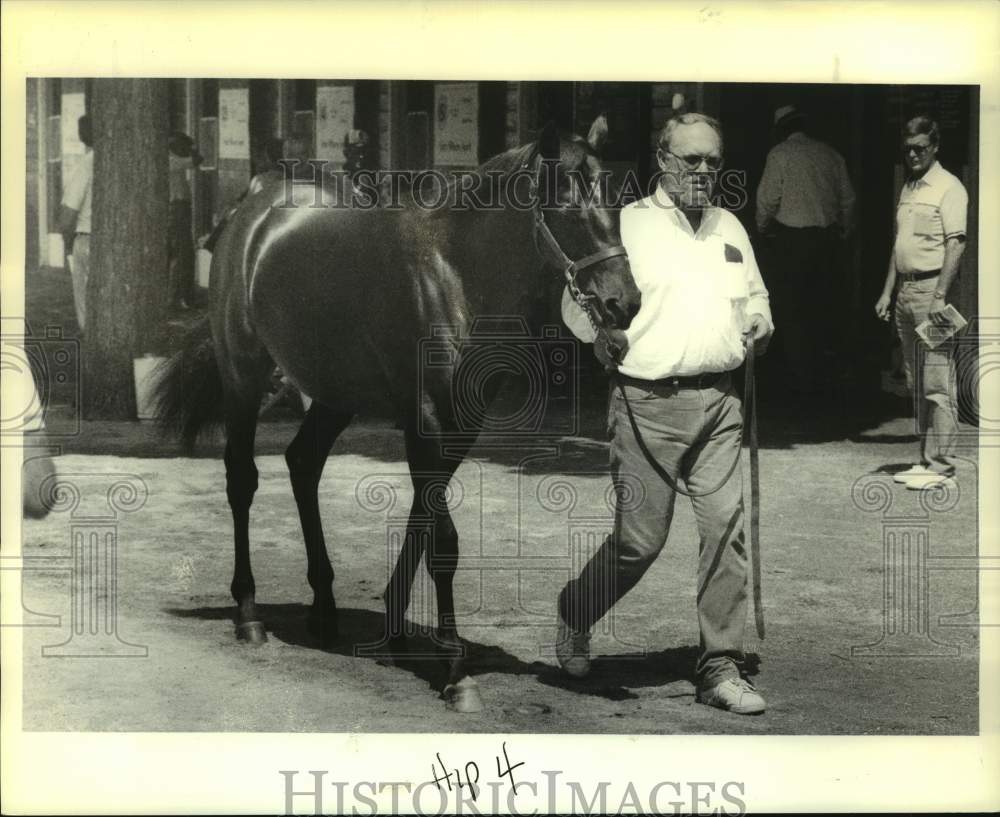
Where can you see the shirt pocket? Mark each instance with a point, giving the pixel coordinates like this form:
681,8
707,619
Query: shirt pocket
926,220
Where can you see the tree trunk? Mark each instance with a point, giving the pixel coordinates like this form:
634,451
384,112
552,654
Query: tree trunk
127,291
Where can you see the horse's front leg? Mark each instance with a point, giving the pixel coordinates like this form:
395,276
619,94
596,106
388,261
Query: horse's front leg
461,690
431,530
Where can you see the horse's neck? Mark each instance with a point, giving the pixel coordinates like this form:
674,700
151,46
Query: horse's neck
494,252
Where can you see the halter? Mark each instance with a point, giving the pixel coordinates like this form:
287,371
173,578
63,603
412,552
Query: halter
571,269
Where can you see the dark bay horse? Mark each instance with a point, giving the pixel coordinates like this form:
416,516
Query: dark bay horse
340,298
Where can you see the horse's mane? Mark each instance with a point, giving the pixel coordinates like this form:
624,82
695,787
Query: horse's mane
514,159
510,160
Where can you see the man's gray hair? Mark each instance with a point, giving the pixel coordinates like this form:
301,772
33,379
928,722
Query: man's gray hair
920,125
679,119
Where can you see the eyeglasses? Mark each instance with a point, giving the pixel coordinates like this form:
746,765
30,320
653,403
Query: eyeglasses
693,161
920,150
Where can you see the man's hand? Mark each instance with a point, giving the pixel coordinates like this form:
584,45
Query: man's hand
935,312
616,336
758,329
882,307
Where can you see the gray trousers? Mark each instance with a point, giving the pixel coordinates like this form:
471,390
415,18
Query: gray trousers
930,375
694,434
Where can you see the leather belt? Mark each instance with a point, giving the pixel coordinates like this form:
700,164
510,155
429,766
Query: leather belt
917,276
694,381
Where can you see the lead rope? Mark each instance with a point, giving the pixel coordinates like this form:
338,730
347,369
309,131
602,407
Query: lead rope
748,429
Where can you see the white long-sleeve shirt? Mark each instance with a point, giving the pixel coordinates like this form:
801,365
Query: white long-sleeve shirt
805,184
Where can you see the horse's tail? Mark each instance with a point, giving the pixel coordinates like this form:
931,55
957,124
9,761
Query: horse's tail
188,391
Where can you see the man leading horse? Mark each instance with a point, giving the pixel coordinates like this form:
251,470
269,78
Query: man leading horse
675,414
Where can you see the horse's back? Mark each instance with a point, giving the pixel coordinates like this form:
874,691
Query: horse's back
330,293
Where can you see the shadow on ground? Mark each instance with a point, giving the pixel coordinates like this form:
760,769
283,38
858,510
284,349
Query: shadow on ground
612,677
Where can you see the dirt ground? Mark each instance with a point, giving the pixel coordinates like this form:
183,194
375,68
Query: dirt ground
823,591
526,517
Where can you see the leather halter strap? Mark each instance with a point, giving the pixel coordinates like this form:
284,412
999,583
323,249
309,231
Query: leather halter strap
571,268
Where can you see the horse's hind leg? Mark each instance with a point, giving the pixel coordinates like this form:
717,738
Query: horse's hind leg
305,457
241,484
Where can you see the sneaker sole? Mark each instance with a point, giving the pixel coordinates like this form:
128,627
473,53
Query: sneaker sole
739,710
948,486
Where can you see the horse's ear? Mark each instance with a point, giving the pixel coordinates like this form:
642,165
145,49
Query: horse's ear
548,140
598,133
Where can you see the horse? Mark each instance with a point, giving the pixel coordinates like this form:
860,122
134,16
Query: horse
340,297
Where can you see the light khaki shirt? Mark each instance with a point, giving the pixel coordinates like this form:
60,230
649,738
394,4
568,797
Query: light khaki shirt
931,209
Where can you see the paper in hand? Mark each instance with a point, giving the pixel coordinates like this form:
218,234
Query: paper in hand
934,334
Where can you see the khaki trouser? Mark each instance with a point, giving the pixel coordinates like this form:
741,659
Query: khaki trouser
694,434
930,376
79,271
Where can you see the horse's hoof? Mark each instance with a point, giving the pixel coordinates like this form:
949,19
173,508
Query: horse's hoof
252,632
463,697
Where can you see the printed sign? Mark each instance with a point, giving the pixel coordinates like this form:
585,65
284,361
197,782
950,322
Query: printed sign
456,124
234,123
334,118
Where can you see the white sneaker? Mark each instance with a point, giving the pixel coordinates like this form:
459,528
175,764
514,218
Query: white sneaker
735,695
925,482
573,650
917,470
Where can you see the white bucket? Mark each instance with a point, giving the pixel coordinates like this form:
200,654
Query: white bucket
203,262
145,380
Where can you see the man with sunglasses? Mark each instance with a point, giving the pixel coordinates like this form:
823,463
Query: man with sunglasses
930,239
702,295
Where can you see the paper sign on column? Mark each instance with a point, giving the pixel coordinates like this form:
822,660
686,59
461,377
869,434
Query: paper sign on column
234,123
334,118
73,107
456,124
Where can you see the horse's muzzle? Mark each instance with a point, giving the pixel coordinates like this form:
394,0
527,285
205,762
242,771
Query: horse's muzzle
618,315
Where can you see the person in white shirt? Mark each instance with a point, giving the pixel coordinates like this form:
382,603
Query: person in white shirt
74,219
805,204
931,219
701,295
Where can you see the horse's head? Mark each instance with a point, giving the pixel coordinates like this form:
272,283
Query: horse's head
585,228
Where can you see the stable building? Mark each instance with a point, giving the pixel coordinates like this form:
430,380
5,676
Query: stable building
415,125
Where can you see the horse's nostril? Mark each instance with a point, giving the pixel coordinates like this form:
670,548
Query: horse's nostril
615,312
